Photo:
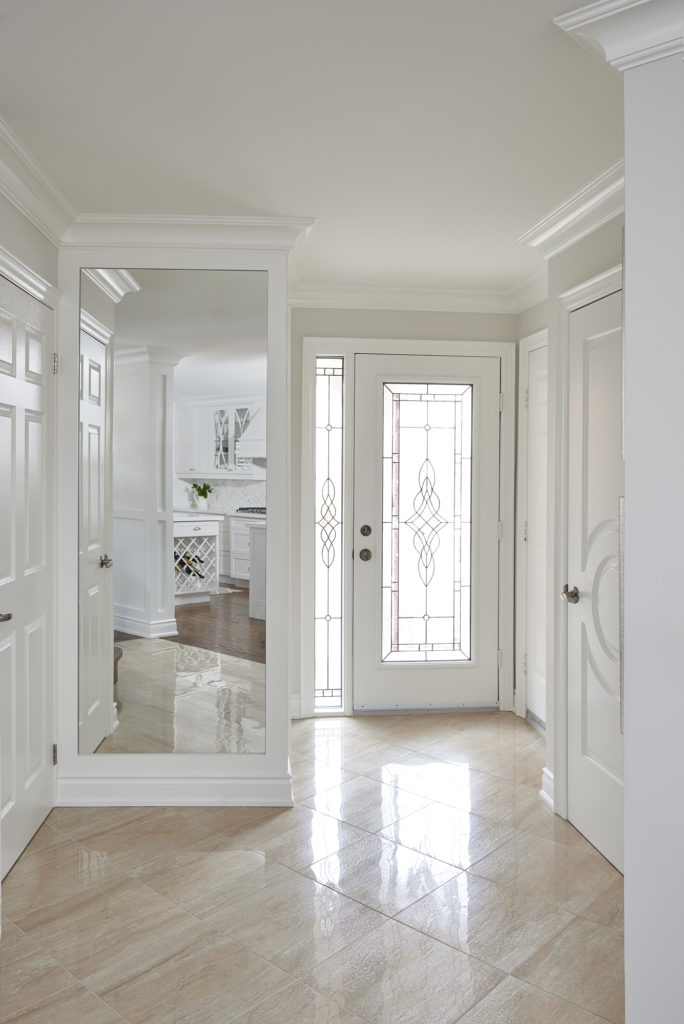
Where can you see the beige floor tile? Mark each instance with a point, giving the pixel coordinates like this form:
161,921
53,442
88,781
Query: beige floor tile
550,826
311,776
47,835
398,975
366,803
29,979
515,1002
130,845
51,874
382,874
297,837
75,1005
294,924
609,907
584,965
210,873
361,755
298,1004
112,932
457,785
210,981
571,877
227,819
78,822
495,924
454,836
14,943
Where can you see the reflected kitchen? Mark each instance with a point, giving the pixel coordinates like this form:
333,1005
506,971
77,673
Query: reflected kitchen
184,381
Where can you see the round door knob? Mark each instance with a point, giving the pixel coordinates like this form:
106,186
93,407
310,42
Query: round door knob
365,531
365,555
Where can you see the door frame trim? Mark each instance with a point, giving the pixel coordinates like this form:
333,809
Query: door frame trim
594,288
348,348
540,339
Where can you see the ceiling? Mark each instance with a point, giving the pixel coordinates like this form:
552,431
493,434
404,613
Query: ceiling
423,138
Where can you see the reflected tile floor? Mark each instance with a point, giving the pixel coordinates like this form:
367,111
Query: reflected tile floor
414,882
174,698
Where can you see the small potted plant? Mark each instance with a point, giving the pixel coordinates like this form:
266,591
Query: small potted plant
202,492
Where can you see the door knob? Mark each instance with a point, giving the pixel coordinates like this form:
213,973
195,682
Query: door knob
5,617
365,555
106,562
571,594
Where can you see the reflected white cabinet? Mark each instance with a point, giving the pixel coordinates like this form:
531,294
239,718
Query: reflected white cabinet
207,438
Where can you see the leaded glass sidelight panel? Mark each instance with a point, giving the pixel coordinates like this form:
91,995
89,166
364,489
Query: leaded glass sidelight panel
426,522
328,534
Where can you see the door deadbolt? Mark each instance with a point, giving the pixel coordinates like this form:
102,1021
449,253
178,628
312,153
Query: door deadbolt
365,531
365,554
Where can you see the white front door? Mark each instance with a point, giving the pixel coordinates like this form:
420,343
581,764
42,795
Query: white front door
426,514
596,484
26,568
95,588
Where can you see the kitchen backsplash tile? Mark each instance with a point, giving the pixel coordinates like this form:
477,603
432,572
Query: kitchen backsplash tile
227,495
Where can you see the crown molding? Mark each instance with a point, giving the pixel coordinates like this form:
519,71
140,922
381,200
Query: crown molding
29,189
595,288
114,283
146,355
595,204
185,232
628,33
436,300
96,329
25,278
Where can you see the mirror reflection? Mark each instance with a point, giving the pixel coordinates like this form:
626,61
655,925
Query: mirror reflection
172,532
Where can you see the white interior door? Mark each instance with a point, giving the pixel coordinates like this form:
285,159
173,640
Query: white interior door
596,484
26,568
96,615
426,513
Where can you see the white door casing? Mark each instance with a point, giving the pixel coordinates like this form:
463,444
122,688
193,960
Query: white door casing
26,568
439,683
595,486
532,512
95,596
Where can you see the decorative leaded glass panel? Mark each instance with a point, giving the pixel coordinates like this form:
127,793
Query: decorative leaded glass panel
426,528
328,533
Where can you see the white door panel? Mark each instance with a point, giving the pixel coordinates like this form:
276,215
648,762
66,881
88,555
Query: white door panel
26,568
596,484
95,690
426,601
537,492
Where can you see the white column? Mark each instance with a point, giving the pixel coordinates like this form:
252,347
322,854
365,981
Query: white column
143,493
644,41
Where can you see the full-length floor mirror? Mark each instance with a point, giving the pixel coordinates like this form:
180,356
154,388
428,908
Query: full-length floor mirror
172,511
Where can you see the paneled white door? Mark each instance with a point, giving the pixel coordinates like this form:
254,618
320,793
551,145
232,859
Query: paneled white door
426,549
26,568
596,484
96,609
536,597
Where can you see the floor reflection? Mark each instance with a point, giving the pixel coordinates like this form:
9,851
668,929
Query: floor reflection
173,698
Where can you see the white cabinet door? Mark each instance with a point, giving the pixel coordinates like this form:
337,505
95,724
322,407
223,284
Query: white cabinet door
95,576
193,450
26,569
426,549
596,484
239,548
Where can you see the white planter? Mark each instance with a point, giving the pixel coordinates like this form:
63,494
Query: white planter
202,504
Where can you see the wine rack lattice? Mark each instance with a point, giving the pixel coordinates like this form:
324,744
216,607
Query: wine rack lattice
196,564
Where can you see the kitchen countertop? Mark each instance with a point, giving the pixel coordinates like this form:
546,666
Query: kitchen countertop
189,515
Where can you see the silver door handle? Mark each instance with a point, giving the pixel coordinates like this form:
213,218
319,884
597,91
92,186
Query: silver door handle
570,594
365,554
5,616
106,562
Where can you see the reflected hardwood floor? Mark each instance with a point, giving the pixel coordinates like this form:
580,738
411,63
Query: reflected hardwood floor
222,625
418,878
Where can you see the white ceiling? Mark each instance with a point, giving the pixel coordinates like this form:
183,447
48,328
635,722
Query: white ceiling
423,137
213,321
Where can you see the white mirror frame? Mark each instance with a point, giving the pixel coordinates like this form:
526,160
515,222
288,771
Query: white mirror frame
175,779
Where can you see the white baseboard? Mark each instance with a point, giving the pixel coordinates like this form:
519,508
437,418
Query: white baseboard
144,628
546,791
123,791
295,706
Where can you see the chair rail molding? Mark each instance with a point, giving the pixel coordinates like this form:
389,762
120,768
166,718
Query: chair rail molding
627,33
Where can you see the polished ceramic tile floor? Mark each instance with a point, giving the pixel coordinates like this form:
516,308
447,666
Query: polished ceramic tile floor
176,698
419,879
